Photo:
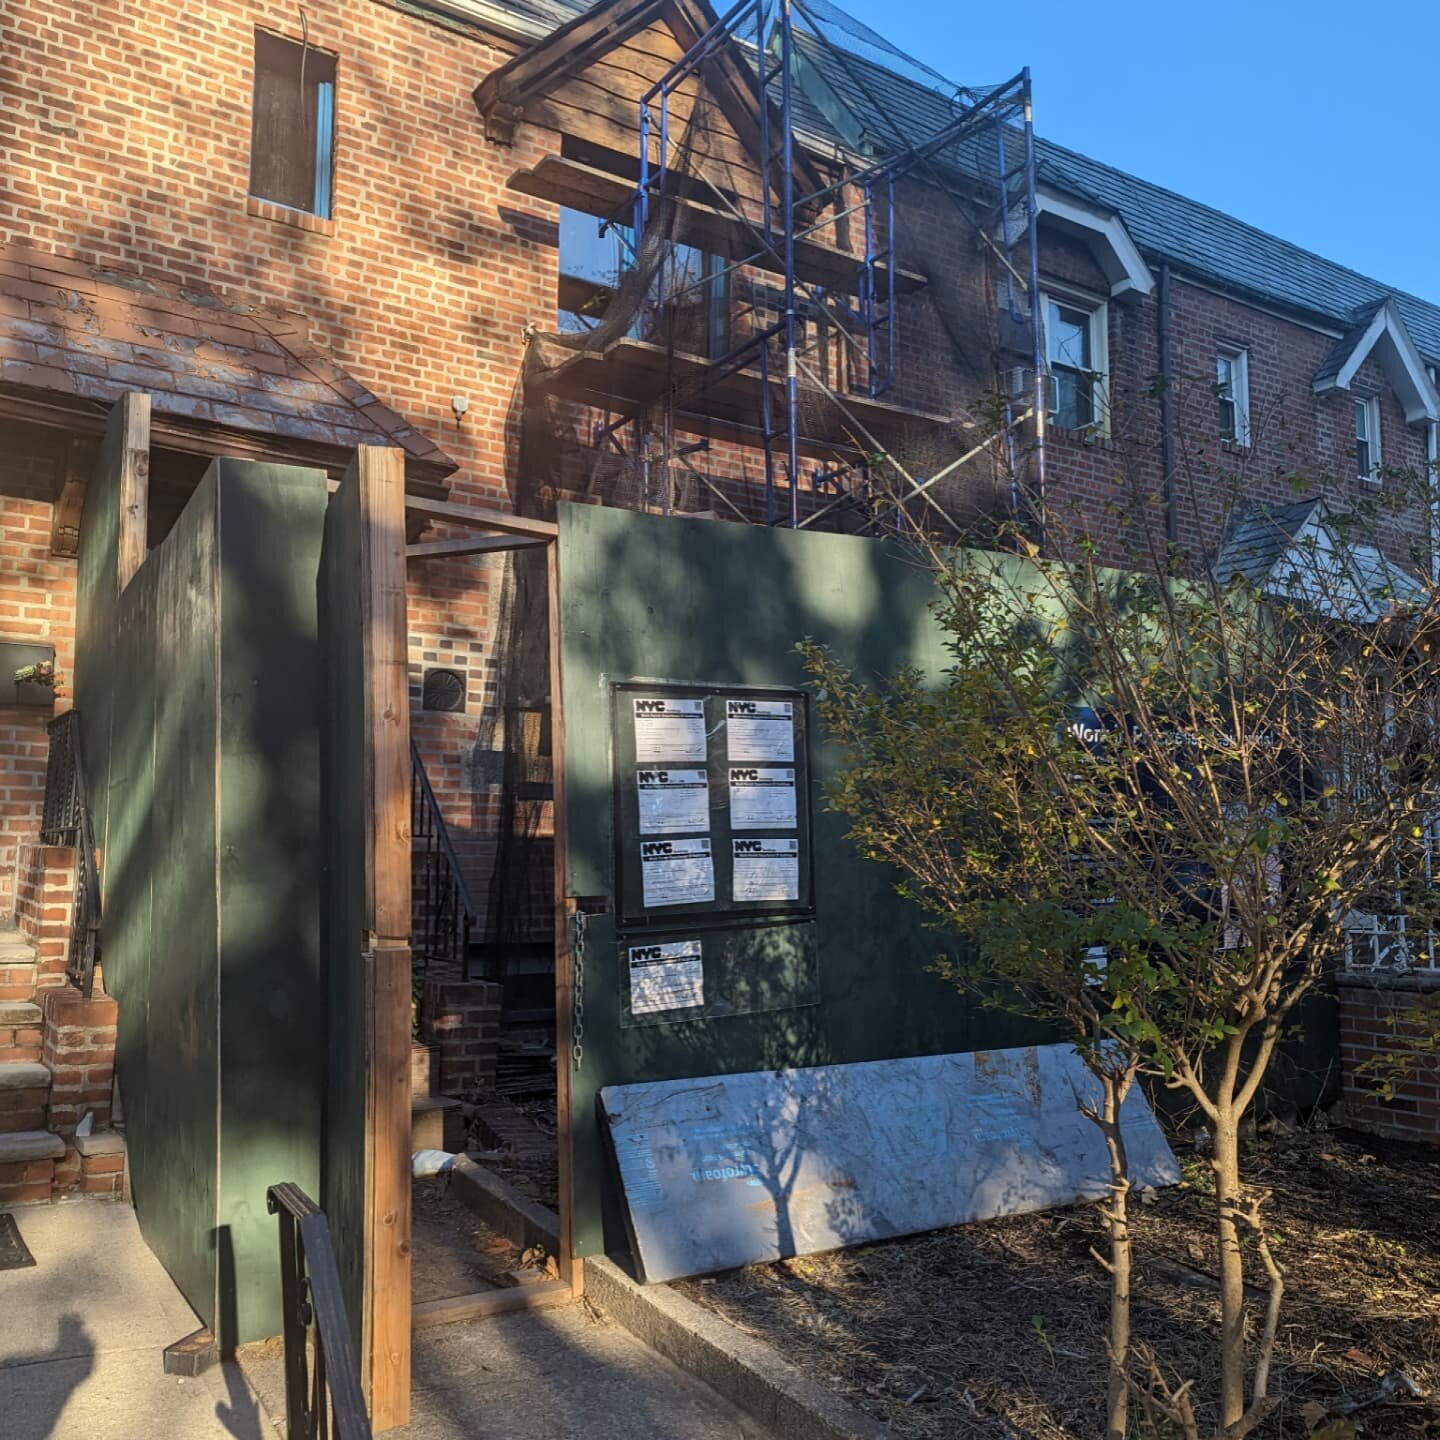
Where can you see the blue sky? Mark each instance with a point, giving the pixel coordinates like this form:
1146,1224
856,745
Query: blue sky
1311,119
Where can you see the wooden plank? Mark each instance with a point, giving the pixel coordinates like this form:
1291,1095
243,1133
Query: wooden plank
70,503
480,545
389,1228
380,473
543,1295
597,192
134,484
418,507
572,1269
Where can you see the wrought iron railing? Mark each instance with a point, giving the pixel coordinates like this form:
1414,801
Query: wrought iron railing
322,1375
66,820
444,919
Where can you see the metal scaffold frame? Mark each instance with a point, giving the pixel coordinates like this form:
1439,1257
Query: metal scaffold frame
771,31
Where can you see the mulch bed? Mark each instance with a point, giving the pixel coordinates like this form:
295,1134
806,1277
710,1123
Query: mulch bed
453,1252
995,1331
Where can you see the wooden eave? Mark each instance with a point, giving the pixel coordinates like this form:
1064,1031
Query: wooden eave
598,192
502,95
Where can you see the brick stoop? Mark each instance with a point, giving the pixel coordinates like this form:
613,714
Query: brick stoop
19,964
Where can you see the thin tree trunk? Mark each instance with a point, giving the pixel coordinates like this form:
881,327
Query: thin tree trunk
1226,1164
1117,1215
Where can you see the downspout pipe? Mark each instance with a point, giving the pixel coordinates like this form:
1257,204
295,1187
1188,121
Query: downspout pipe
1167,408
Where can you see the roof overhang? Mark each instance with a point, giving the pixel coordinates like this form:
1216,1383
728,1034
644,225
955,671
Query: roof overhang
1104,232
1387,337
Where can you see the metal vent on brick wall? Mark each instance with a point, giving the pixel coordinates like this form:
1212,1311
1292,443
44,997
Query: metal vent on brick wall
443,690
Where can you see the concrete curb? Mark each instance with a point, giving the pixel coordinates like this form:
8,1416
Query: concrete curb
738,1367
744,1370
503,1208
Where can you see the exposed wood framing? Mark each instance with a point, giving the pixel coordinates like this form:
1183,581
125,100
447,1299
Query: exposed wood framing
380,475
480,517
476,545
134,484
543,1295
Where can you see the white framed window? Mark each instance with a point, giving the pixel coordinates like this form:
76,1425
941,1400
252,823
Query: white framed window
1232,393
1367,439
1077,351
292,125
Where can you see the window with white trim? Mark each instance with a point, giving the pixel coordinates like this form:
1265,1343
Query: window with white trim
1367,439
1232,393
1077,353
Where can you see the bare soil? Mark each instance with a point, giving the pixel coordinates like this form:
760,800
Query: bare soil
995,1331
453,1252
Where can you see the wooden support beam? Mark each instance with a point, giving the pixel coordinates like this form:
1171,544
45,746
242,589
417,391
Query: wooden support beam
379,474
70,502
543,1295
417,507
134,484
478,545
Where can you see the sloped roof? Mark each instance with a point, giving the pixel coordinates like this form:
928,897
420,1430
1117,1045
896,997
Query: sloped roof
80,334
1260,536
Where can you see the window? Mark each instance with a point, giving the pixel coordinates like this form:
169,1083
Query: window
1232,391
596,258
1367,440
292,126
1077,350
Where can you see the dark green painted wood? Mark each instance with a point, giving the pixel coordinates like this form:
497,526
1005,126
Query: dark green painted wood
200,697
272,1017
698,602
342,924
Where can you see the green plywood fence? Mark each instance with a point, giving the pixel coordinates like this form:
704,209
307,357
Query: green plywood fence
693,603
706,604
200,693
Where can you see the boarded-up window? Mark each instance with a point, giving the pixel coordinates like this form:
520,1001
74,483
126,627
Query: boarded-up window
292,129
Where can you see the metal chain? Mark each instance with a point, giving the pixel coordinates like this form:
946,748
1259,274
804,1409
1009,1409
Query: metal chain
577,984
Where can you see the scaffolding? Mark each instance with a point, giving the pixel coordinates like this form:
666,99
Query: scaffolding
812,367
782,340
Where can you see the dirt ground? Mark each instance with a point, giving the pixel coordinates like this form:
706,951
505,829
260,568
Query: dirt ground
995,1331
453,1253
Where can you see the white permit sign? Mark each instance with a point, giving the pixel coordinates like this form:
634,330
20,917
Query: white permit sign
761,798
760,730
669,730
673,802
676,872
766,869
666,977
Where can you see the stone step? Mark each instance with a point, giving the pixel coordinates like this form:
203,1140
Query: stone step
24,1075
24,1145
18,1015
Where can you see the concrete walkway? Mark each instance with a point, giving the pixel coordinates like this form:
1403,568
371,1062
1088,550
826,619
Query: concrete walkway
543,1375
81,1335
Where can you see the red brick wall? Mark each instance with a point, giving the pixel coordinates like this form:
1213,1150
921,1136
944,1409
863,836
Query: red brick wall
1372,1015
37,605
45,907
126,135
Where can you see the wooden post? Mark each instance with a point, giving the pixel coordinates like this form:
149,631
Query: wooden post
134,484
380,475
571,1267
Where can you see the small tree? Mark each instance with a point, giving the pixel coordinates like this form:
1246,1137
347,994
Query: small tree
1148,800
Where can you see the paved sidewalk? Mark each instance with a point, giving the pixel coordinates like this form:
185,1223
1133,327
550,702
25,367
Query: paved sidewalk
81,1335
543,1375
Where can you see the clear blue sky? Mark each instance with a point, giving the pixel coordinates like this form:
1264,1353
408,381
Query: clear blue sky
1312,119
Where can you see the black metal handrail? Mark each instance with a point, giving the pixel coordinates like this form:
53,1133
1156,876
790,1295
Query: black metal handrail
444,917
66,820
322,1375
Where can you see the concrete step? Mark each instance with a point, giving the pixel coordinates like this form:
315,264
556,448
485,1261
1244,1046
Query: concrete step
22,1145
19,1015
16,949
24,1096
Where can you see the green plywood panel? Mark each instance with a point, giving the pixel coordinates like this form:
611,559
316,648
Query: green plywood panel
271,1016
342,778
702,603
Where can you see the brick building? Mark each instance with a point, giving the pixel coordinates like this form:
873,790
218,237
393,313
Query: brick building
368,220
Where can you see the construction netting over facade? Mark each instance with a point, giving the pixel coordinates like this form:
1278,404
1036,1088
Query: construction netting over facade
796,281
